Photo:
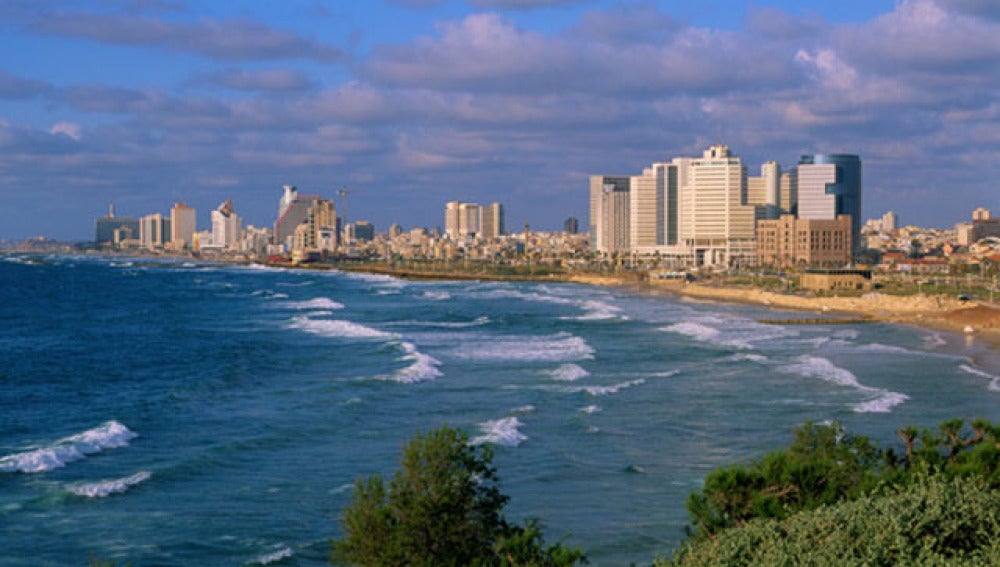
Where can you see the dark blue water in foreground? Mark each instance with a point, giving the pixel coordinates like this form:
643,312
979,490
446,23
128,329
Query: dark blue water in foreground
170,413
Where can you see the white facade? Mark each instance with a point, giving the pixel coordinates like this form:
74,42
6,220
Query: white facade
226,227
154,231
716,224
610,201
814,201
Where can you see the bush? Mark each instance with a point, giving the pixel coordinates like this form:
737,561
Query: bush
442,507
934,520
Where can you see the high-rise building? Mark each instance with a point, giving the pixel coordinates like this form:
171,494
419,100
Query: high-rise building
716,224
364,231
294,212
395,230
227,227
112,229
609,213
890,222
571,226
981,214
182,226
154,231
653,211
468,219
451,219
830,185
491,221
788,192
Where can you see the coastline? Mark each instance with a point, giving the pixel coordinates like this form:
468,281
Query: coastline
932,312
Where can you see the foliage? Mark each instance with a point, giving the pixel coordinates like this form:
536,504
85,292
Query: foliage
442,507
824,466
935,520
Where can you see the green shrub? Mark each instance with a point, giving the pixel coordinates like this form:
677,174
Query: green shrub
934,520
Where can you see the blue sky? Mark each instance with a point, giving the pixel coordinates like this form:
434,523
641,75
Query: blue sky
412,103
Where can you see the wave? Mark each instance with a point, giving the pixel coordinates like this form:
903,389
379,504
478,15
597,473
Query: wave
501,432
886,349
568,373
477,322
527,408
742,356
436,295
423,367
934,340
592,408
108,435
268,558
337,328
316,303
607,390
525,295
818,367
105,488
731,332
552,348
994,380
599,311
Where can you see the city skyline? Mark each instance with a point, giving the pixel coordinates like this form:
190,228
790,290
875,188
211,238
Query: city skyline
413,103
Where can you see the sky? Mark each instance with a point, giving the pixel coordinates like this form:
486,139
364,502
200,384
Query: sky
409,104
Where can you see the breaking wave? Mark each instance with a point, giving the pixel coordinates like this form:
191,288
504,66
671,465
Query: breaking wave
477,322
552,348
607,390
268,558
994,380
599,311
501,432
422,366
337,328
568,373
105,488
316,303
818,367
108,435
732,332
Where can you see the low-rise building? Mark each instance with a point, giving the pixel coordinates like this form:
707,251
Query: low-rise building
789,241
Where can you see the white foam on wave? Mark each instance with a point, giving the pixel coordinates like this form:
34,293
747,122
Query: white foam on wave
477,322
106,488
846,334
273,557
592,408
886,349
527,408
734,332
436,295
108,435
316,303
608,390
337,328
551,348
818,367
694,330
568,373
526,296
994,380
599,311
934,340
422,366
501,432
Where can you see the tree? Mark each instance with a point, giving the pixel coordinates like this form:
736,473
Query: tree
442,507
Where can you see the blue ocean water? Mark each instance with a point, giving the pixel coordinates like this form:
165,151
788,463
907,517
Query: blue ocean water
171,413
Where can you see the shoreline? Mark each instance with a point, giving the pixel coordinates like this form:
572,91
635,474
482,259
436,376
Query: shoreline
935,313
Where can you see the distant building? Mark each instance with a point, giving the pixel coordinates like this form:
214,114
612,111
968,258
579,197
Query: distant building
154,231
294,209
609,213
789,241
571,226
182,226
984,228
112,229
833,280
890,222
227,228
395,230
981,214
491,221
364,231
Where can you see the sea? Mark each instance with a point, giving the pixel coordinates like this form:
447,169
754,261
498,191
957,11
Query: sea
170,412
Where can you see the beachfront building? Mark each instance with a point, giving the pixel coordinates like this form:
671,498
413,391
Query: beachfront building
830,185
790,241
653,212
610,198
154,231
717,225
182,226
295,209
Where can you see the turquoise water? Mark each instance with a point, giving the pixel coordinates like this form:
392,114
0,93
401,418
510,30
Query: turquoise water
170,413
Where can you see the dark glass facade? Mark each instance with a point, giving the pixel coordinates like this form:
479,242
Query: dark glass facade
847,189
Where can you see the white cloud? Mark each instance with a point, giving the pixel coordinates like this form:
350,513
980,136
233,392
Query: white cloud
67,129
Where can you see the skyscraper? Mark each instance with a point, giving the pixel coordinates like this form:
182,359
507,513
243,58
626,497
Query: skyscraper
830,185
182,226
491,220
226,227
609,213
653,214
106,227
154,231
571,226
